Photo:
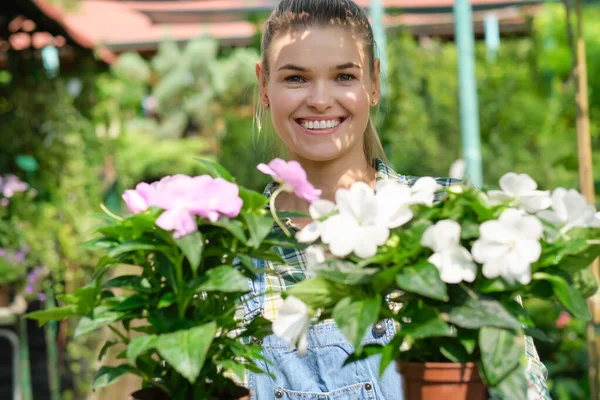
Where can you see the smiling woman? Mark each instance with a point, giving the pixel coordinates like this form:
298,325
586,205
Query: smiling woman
319,78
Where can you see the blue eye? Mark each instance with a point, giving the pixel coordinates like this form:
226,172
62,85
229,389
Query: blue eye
295,79
346,77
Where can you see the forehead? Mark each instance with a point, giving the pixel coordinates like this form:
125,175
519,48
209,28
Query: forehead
326,47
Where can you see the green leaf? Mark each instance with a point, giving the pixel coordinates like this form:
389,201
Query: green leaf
139,245
139,345
477,313
108,375
224,278
166,300
316,292
390,353
258,226
192,245
130,282
347,273
585,282
453,350
501,351
423,279
492,285
353,317
253,201
186,350
237,368
105,348
132,302
235,227
426,322
216,170
567,295
514,386
53,314
101,317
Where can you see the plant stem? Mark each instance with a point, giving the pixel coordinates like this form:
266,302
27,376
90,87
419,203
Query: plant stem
119,334
110,213
274,211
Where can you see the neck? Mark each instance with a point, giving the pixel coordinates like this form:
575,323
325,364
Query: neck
329,176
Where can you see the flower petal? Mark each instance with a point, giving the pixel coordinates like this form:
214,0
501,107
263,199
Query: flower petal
292,319
309,233
498,197
178,220
517,184
320,208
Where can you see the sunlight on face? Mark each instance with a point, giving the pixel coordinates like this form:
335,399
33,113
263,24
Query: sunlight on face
320,90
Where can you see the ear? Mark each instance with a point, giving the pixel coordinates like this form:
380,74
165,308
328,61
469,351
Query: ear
262,83
375,82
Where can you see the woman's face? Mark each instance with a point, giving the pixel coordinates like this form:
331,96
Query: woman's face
319,90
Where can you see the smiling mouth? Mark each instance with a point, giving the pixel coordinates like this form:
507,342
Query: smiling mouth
323,126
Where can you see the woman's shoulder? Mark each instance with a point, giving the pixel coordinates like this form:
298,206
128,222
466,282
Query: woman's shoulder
385,171
443,181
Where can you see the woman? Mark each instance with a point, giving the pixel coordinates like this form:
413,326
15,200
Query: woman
319,78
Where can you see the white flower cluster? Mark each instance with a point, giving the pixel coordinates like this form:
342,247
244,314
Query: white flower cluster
361,220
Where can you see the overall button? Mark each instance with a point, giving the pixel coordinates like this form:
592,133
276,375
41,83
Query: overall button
368,386
279,393
380,328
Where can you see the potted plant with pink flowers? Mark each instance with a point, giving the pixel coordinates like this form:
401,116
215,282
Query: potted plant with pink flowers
449,266
192,240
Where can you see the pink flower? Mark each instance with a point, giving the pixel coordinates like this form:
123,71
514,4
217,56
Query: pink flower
292,175
183,197
11,184
220,197
563,319
179,220
138,200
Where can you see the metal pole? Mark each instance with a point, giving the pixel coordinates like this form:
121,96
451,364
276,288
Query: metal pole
469,111
377,11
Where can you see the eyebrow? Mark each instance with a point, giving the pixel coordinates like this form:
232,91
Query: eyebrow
293,67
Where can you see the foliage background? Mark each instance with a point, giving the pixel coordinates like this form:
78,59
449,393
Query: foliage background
96,131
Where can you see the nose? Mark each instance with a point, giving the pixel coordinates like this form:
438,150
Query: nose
320,96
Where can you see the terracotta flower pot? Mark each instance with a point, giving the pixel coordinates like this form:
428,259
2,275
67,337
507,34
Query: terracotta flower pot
4,295
435,381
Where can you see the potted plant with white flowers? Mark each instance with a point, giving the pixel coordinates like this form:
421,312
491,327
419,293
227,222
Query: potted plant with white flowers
450,273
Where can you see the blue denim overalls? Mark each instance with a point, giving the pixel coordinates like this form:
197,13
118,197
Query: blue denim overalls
319,375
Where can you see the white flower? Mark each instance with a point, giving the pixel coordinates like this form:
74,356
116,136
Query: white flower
393,203
458,169
506,247
519,190
357,227
423,191
570,210
292,323
318,209
452,260
315,257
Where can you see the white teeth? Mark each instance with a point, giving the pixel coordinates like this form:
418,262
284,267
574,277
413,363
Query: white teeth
320,124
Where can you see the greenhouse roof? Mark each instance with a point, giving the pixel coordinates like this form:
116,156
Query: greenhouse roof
121,26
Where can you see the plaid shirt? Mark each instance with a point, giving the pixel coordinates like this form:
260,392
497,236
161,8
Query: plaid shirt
282,276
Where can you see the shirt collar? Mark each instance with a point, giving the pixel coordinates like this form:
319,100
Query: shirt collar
384,172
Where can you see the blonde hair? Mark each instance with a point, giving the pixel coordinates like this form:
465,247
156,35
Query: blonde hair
300,14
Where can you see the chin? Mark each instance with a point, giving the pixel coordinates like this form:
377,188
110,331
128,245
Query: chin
322,155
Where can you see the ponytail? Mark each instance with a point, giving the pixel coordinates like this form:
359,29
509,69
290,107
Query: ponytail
372,147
